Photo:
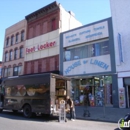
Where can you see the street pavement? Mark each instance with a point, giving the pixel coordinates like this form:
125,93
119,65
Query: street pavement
107,114
16,121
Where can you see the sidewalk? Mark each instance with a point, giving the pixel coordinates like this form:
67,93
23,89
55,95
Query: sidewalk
107,114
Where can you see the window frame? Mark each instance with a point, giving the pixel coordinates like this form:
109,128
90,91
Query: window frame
53,24
12,40
15,53
10,55
16,38
5,72
7,41
15,73
8,71
6,56
91,50
21,52
22,35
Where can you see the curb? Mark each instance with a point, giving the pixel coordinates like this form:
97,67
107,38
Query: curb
98,120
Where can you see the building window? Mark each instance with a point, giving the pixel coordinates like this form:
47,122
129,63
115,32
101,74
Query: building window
5,72
86,51
15,71
30,35
16,40
53,24
9,71
104,48
28,67
15,53
21,52
91,50
38,31
7,42
44,28
52,64
6,56
12,40
10,55
22,35
35,66
19,70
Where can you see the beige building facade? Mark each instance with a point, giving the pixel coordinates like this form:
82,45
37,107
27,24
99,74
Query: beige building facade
13,51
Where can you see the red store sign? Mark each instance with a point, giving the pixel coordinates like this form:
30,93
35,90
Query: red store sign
40,47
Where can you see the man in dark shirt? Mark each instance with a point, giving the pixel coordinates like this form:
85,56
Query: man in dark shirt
72,109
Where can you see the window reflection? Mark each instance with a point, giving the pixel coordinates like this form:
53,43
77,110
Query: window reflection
86,51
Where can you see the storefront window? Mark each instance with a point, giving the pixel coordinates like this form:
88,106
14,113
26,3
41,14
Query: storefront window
86,51
94,91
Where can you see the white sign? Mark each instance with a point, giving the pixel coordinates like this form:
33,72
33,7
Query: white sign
86,34
40,47
87,65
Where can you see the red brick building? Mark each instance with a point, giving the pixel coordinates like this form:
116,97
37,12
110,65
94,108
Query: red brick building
43,29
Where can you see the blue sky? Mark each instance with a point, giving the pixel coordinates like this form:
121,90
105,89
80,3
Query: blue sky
86,11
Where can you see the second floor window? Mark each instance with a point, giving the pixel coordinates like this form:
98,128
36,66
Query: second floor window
15,71
22,35
9,72
10,55
53,24
12,40
6,56
5,72
7,42
15,53
16,40
21,52
19,70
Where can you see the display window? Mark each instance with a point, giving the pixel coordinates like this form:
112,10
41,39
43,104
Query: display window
95,91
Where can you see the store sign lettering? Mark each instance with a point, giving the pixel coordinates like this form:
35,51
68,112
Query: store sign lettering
73,66
40,47
99,63
85,34
91,62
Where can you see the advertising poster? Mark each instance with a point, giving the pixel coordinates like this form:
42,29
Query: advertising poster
121,97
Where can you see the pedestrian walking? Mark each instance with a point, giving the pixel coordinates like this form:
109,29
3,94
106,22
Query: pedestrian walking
72,108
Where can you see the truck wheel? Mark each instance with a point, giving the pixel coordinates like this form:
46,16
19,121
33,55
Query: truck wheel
1,110
27,111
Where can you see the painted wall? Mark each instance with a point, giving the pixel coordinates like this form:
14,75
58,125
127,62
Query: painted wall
67,20
41,40
120,12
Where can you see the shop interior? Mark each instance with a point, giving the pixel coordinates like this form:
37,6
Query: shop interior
93,91
61,89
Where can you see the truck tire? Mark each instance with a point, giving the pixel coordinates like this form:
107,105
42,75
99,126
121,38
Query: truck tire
27,111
